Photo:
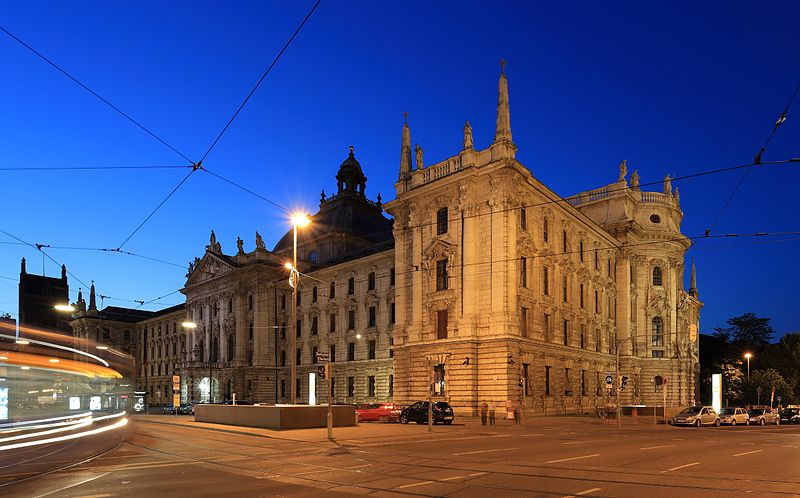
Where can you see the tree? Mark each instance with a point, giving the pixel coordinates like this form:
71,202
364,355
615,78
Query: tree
785,358
5,315
747,333
766,380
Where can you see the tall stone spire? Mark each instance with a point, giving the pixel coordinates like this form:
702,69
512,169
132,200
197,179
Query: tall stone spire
64,272
693,281
92,299
503,127
22,268
405,150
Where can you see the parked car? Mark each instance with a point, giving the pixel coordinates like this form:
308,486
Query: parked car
418,412
697,416
763,416
186,409
734,416
790,416
378,412
168,409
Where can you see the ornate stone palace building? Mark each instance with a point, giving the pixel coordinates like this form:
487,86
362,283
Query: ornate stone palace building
486,285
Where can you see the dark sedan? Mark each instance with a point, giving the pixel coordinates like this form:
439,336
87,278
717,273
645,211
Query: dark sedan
790,416
418,412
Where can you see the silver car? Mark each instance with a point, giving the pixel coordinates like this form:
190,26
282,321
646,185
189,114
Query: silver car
734,416
763,416
697,416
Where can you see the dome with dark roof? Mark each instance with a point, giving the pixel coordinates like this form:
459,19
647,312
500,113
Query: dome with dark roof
357,222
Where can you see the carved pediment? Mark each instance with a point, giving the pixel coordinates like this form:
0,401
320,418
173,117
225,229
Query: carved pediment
659,302
439,249
210,267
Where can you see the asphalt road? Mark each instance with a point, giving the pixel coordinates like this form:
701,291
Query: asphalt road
174,456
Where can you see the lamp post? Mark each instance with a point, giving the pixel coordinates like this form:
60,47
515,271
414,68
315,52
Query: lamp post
748,356
298,220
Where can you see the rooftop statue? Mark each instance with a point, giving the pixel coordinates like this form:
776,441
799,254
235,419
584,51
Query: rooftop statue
623,170
418,154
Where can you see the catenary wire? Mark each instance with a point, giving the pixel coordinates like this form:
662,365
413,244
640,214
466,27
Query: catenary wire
263,76
89,168
245,189
756,161
82,85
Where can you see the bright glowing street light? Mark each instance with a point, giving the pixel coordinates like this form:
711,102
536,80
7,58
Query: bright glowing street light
65,307
748,356
300,220
102,347
189,325
288,265
23,342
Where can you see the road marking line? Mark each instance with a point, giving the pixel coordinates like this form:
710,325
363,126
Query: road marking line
679,467
790,446
529,435
462,477
483,451
748,453
104,495
73,485
477,474
361,466
414,484
657,447
579,442
573,458
587,491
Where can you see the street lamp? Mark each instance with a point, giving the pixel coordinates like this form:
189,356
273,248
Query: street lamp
64,307
298,220
748,356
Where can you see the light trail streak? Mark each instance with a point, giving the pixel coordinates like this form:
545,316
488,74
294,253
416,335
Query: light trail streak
113,426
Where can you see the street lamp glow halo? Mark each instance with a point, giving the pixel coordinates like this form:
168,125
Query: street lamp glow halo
300,219
102,347
188,325
748,355
288,265
64,307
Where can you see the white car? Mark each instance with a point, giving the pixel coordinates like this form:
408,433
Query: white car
734,416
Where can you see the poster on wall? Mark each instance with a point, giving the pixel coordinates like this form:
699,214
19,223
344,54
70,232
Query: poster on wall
74,403
94,403
716,392
3,403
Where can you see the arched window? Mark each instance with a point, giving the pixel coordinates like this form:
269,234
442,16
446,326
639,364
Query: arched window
658,331
231,347
657,280
214,351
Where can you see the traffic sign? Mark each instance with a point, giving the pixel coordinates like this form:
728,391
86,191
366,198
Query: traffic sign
323,357
609,381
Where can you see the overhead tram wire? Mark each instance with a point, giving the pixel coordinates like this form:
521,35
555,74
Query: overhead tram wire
263,76
39,247
85,87
231,182
756,161
89,168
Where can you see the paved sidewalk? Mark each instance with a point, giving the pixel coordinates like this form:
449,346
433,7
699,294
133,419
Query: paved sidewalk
388,430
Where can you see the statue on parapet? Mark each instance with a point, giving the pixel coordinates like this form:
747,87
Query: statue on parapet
240,245
668,185
418,155
259,241
623,170
635,180
213,245
468,136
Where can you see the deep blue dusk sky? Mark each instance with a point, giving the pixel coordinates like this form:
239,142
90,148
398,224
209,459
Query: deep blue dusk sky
672,88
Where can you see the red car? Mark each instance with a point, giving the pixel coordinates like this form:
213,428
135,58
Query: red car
378,412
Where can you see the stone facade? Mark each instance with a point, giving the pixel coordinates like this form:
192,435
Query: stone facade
510,292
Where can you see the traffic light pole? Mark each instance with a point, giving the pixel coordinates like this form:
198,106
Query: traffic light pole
328,372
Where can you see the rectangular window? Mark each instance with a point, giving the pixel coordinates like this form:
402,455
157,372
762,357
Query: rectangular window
283,388
581,250
596,261
441,324
391,277
597,387
547,381
545,230
314,354
391,386
523,322
391,350
441,274
333,352
581,296
596,302
525,379
564,288
351,351
564,241
298,387
597,340
250,330
332,291
283,302
299,298
351,319
391,314
351,286
314,294
583,336
299,356
658,353
351,387
372,320
523,219
583,382
441,221
283,330
546,283
566,332
371,386
250,301
371,350
438,380
371,281
332,323
314,325
523,271
567,383
299,328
